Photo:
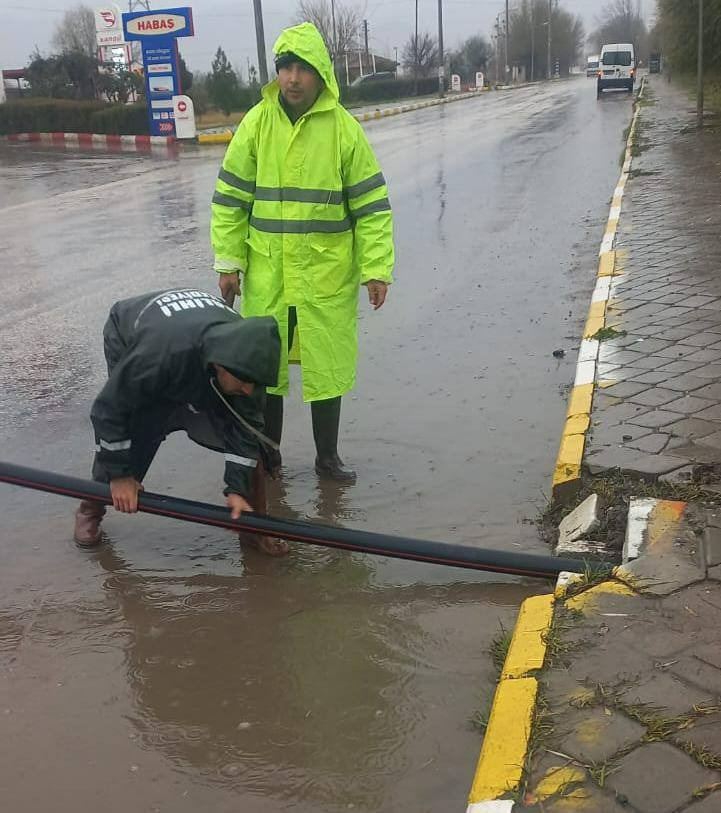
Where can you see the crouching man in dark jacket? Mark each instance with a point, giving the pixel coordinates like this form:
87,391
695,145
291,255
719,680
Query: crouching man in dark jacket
181,359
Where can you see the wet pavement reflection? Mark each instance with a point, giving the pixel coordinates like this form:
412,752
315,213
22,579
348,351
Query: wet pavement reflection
172,669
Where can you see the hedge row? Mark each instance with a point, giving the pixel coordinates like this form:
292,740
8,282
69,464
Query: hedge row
68,116
121,119
391,89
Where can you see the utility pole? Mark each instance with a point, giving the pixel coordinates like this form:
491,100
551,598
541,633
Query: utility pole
533,42
550,14
260,40
505,52
365,35
415,56
498,28
441,63
335,34
699,77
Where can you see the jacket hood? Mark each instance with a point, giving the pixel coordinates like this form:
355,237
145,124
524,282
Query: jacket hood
247,348
305,41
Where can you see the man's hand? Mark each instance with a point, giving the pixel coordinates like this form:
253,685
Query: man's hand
377,291
124,491
237,505
229,285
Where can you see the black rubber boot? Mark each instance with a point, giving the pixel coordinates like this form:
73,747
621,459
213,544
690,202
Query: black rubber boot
326,420
87,524
274,430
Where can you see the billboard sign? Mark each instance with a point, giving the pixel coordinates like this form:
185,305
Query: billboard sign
158,32
157,24
108,26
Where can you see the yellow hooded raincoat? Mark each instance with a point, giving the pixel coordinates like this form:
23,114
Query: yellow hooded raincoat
302,211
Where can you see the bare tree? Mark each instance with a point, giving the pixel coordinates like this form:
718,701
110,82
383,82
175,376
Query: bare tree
620,21
347,23
75,33
421,57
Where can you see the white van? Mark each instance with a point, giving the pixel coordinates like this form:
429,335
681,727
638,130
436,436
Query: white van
592,65
616,67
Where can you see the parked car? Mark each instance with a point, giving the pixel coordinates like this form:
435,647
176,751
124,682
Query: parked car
381,76
617,67
592,65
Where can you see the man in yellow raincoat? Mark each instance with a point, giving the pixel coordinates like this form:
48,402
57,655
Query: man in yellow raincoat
301,212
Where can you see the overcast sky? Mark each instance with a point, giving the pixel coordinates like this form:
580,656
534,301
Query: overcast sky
229,23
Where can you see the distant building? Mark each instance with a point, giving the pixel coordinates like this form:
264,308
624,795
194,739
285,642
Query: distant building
356,63
14,84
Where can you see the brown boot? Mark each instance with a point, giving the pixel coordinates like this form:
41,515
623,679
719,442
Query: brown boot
87,523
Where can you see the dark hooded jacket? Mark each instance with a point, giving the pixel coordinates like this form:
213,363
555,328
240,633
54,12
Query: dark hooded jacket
160,348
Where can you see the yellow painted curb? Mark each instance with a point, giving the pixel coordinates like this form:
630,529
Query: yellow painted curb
569,462
567,473
576,424
592,326
595,320
568,466
215,138
528,647
587,600
500,764
607,264
580,400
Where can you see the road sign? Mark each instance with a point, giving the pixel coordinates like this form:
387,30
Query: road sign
455,83
158,31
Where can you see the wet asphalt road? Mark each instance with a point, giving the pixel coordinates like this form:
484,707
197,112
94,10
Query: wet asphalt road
170,669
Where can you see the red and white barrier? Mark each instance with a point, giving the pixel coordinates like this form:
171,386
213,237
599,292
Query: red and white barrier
100,141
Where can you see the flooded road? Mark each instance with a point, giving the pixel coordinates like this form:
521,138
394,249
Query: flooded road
170,669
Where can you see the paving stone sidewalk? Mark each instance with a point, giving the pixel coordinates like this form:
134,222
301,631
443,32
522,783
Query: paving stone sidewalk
657,403
631,689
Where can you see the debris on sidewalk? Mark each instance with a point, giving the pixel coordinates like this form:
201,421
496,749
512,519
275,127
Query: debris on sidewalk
630,693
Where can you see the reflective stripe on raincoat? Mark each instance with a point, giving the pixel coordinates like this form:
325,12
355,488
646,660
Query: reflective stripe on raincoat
302,209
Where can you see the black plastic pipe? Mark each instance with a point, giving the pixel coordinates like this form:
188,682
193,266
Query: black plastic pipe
399,547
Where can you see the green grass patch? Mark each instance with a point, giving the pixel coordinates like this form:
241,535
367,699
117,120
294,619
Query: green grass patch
541,731
599,772
605,334
499,647
704,790
711,89
480,717
705,757
557,645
